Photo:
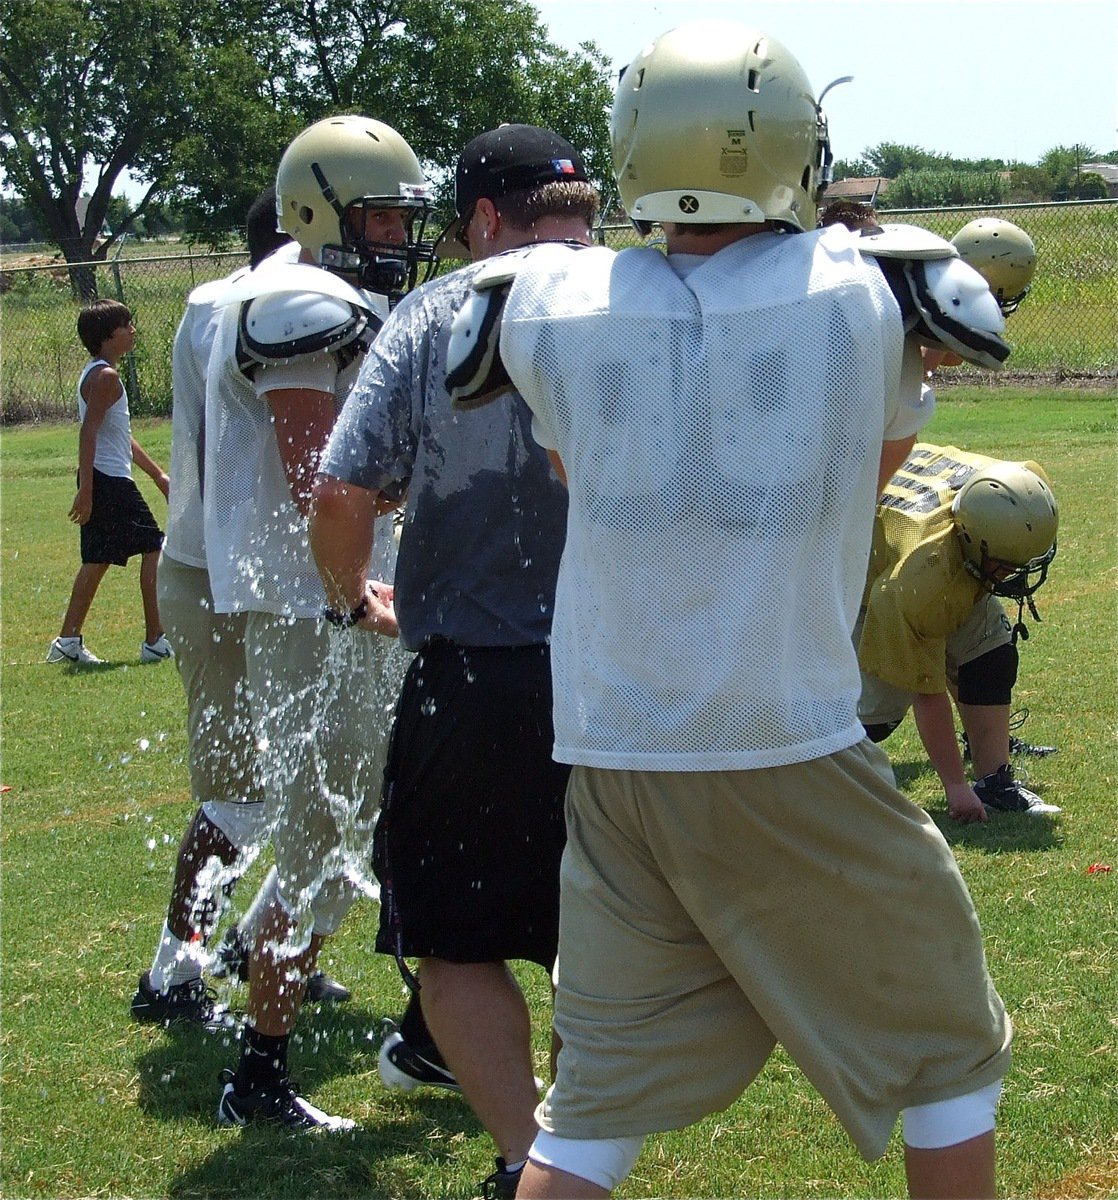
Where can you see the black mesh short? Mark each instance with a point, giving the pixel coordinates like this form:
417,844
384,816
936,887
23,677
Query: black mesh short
120,524
469,839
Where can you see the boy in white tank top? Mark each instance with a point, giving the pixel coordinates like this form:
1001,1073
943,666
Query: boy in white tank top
114,518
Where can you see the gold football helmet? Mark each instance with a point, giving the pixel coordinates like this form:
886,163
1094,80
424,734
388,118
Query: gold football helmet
1006,516
1003,254
715,122
330,176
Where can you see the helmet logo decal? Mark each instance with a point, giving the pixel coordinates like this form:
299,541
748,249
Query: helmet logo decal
689,204
734,159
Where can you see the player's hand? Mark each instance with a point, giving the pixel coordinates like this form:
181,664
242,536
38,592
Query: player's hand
81,509
381,617
964,805
163,483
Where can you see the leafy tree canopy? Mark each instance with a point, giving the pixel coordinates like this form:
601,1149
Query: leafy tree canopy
89,88
198,98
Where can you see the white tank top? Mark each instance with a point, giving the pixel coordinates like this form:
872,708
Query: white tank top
721,435
113,454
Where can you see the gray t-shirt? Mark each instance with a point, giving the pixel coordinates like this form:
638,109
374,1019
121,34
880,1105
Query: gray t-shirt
486,516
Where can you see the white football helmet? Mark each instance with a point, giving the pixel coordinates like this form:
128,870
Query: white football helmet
1006,516
330,176
715,122
1003,254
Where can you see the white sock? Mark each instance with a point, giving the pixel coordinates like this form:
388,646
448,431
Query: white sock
176,961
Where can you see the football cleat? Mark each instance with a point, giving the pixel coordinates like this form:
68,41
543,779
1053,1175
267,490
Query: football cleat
1000,792
278,1104
403,1068
190,1002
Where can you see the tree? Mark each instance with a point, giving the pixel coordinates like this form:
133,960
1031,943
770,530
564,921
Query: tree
198,98
891,159
931,188
17,221
91,87
442,71
1059,175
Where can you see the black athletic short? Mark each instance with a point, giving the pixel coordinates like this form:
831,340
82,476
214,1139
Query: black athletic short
471,831
120,524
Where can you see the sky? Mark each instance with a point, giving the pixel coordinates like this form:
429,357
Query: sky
974,79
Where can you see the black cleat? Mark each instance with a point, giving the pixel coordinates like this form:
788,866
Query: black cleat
321,987
403,1067
1000,792
1017,746
279,1104
188,1002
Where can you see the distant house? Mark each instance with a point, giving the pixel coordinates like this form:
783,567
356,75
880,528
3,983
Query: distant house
865,191
81,207
1109,173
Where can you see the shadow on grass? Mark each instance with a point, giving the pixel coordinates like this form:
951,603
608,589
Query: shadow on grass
1003,831
397,1140
381,1163
98,668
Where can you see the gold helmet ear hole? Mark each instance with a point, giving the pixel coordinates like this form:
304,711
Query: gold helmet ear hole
306,215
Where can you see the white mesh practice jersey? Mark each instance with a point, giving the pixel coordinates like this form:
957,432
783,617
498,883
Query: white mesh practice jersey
721,435
185,537
112,454
257,547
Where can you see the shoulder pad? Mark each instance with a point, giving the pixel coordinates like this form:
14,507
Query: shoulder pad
276,328
502,268
210,293
275,278
475,373
947,304
904,241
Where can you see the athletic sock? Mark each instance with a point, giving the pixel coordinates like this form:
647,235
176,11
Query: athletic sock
175,961
263,1061
414,1031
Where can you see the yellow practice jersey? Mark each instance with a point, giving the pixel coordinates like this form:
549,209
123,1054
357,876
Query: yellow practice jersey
919,591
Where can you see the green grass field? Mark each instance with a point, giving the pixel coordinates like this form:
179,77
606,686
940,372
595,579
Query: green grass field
96,1105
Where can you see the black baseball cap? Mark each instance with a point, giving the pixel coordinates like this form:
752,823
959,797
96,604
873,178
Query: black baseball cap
510,158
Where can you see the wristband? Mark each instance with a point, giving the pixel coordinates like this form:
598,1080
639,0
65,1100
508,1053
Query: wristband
346,620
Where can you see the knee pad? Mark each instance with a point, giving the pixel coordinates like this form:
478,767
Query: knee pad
878,733
948,1122
602,1161
989,679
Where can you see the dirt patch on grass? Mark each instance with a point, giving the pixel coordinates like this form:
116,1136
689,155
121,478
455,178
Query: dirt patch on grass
1087,381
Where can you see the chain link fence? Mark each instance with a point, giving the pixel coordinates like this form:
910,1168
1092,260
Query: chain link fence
1066,328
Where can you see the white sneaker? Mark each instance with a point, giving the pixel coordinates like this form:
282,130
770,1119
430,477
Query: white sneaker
156,651
70,649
